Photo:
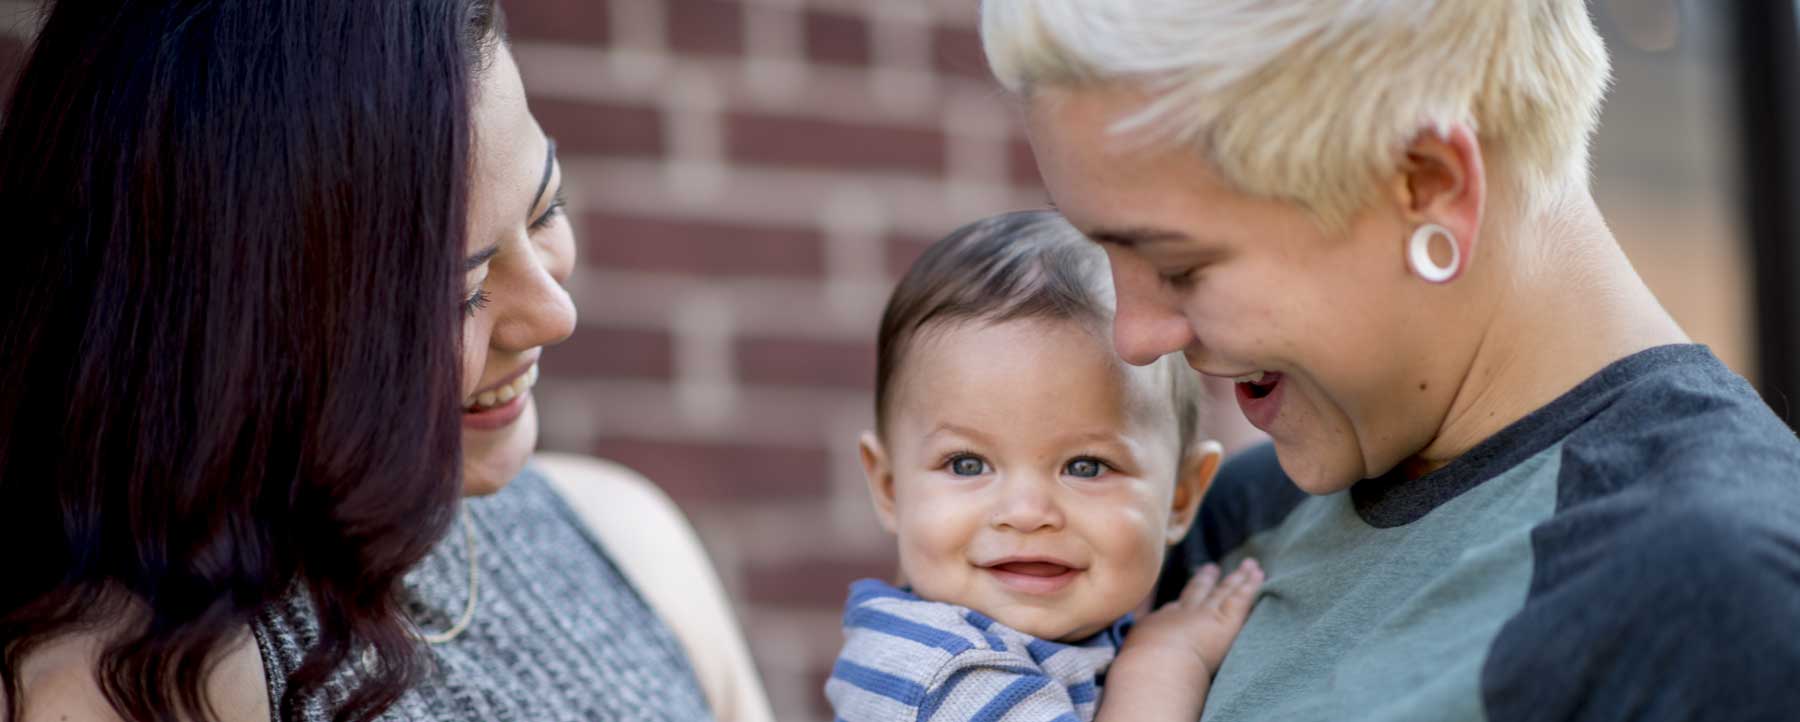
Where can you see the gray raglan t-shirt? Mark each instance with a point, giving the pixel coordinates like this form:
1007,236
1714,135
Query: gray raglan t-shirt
1630,551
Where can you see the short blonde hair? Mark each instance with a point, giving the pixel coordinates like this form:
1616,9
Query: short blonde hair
1313,101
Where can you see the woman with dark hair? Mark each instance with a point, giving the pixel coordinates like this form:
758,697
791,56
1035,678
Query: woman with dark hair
260,252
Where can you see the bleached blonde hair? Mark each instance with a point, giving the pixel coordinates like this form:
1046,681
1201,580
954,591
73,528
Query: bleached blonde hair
1314,101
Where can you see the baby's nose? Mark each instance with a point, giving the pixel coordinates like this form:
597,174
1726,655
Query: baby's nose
1027,506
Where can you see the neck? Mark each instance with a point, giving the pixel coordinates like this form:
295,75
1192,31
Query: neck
1569,305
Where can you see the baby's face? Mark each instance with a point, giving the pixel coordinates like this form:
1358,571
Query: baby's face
1031,475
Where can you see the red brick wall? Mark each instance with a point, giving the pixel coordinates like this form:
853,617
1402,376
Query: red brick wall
749,177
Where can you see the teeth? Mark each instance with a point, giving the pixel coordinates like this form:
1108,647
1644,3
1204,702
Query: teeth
1255,378
517,388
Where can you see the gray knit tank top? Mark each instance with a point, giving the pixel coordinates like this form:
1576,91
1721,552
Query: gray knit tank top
558,633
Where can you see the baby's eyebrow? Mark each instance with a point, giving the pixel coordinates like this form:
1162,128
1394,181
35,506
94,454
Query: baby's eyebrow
945,427
1095,437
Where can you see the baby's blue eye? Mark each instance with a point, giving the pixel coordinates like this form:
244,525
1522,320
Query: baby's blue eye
1084,468
967,466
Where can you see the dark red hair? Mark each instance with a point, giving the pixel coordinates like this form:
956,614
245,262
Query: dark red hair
235,234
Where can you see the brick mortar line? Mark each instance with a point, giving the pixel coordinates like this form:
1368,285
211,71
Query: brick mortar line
747,425
918,204
784,308
577,72
959,14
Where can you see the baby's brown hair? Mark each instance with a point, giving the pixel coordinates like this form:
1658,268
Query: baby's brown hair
1014,266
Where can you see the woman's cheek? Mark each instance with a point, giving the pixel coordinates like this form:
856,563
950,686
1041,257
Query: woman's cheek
474,354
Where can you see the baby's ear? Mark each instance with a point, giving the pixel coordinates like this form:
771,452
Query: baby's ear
880,476
1198,466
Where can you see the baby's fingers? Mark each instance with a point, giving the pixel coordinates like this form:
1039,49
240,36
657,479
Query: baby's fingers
1234,596
1200,587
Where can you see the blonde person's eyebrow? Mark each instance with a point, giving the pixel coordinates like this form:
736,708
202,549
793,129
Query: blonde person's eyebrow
1136,236
1127,236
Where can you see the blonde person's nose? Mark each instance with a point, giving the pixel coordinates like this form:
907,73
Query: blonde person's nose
1026,504
1147,323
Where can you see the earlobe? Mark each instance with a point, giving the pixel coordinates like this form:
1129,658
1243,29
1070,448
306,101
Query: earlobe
1198,467
1441,193
880,477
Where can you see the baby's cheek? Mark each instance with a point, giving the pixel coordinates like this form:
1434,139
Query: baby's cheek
1134,547
930,547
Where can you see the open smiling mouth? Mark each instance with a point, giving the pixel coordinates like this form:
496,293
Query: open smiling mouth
1260,384
1259,395
1034,577
499,407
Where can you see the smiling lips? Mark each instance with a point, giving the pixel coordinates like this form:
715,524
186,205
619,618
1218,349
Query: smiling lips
1033,576
498,407
1259,395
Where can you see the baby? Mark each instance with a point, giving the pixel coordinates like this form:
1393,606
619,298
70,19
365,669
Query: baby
1034,481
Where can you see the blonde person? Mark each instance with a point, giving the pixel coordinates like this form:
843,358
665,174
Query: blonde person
1503,483
285,273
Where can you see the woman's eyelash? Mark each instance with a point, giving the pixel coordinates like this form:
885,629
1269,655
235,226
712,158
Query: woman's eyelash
475,302
557,204
1180,278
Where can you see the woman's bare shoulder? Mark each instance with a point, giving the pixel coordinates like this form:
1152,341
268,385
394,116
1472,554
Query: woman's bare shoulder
584,474
59,685
656,548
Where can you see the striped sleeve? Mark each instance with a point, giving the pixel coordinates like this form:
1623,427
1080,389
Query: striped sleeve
974,686
980,688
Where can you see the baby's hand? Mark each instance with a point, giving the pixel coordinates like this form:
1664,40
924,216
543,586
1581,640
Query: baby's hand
1198,628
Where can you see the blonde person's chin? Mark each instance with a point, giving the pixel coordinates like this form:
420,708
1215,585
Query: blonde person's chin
491,458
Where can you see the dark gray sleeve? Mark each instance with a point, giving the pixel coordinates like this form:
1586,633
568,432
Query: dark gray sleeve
1250,494
1647,606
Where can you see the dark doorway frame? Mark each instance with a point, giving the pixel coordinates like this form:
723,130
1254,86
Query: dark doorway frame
1766,35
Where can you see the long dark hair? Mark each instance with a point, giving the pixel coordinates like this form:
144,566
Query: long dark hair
234,241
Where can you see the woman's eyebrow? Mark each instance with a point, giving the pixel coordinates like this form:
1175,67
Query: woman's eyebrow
482,256
544,183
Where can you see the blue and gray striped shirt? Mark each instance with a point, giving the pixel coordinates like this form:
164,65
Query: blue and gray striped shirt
906,658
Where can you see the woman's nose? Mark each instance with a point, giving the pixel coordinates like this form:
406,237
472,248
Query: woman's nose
539,312
1026,505
1147,323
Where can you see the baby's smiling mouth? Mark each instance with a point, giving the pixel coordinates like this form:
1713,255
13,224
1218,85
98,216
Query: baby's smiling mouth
1034,569
1032,576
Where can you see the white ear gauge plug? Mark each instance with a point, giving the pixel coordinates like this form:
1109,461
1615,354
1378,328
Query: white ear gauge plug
1419,254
